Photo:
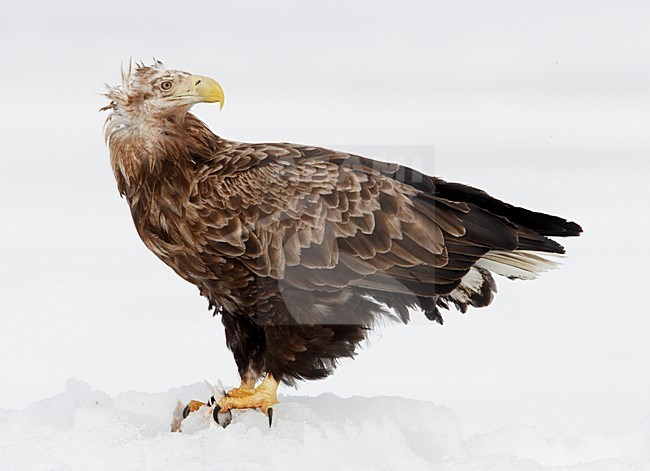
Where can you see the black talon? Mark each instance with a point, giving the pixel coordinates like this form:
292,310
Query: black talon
222,418
186,411
269,411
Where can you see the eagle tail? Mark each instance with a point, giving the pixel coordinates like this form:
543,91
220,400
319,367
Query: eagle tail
519,264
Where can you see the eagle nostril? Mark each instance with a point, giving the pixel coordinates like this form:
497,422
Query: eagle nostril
197,82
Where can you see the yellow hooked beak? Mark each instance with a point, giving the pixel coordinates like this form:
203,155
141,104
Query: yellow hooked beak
206,90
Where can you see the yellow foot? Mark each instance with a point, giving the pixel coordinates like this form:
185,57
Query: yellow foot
246,388
192,406
240,392
181,412
263,397
222,418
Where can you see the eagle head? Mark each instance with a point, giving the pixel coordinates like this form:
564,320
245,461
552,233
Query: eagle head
154,92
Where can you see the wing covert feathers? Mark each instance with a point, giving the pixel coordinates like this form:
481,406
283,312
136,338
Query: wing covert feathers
324,221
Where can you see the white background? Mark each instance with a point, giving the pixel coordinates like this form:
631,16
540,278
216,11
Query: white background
543,104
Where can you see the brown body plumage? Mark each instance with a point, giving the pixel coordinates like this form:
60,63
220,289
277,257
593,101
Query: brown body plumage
302,249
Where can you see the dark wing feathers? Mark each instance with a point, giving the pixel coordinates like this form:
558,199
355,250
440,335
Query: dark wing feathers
543,224
323,220
317,219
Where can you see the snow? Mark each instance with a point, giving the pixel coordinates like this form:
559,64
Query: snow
86,429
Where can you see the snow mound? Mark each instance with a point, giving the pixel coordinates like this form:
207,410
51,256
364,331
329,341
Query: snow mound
85,429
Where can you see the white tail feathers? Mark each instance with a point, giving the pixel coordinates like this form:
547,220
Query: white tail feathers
520,264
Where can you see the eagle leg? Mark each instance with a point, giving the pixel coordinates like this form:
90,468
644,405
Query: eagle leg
263,397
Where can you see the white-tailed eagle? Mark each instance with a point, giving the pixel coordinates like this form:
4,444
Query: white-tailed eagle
303,249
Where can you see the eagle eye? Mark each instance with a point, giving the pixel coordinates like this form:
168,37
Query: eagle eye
166,85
